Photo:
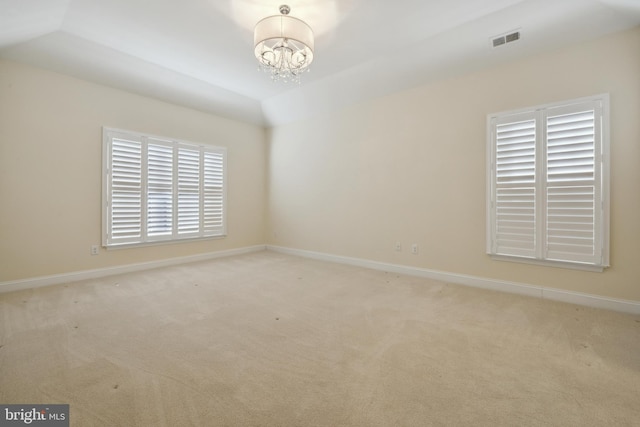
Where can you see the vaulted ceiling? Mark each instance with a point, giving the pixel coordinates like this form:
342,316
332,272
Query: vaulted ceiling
199,53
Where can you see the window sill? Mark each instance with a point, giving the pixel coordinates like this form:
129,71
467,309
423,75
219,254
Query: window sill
118,246
548,263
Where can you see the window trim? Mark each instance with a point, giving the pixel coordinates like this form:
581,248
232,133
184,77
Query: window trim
145,139
602,165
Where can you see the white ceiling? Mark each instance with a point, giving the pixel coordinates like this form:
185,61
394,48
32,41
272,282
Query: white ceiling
199,53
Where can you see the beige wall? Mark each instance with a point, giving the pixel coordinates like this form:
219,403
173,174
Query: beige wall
50,171
408,167
411,168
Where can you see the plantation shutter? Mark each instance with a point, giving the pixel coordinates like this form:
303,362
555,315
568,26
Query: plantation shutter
159,190
188,191
213,194
548,182
125,189
572,202
514,199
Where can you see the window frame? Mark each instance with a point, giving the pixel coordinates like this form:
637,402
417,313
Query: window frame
601,182
211,190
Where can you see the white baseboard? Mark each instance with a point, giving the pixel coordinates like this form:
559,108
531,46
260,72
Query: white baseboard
588,300
57,279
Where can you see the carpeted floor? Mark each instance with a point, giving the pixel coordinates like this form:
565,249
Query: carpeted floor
268,339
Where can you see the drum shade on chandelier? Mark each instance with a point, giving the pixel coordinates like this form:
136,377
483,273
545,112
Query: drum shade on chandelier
283,46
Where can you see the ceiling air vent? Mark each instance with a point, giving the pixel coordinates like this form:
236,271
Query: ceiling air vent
506,38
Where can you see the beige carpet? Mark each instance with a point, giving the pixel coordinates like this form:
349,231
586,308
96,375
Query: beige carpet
273,340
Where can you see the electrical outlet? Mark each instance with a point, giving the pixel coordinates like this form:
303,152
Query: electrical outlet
398,246
414,249
95,249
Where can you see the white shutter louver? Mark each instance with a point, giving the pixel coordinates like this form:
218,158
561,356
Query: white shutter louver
515,193
188,191
159,190
213,221
125,203
571,197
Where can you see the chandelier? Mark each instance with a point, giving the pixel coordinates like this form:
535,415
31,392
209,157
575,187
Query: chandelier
283,46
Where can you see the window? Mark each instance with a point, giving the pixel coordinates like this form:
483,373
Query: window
548,184
158,189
